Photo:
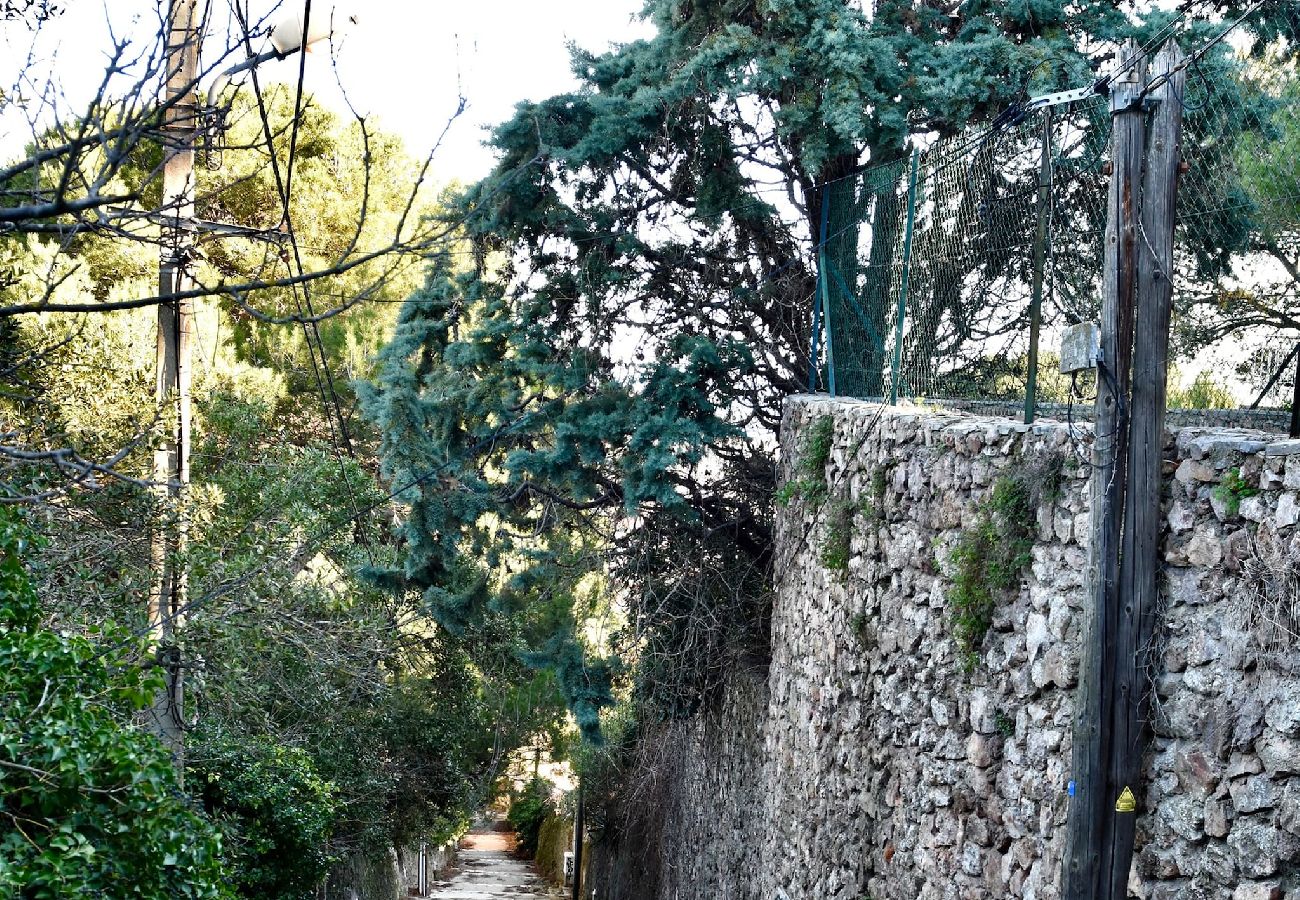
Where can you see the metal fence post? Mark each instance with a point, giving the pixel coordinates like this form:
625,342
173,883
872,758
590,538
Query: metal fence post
902,288
823,290
1040,262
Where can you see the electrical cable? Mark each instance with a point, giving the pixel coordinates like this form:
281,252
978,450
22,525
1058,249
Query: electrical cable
325,386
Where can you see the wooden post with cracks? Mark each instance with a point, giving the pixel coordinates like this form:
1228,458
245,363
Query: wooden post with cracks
1092,802
1140,545
171,463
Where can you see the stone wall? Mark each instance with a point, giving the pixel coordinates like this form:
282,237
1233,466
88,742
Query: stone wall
874,759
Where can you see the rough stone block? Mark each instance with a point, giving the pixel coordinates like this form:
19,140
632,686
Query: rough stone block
1280,755
1259,890
1254,844
1288,511
1253,794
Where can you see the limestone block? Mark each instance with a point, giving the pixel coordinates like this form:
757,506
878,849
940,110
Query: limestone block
1183,816
1279,755
1253,794
1288,511
1255,509
1191,472
1181,517
1259,890
1254,844
1291,475
1271,474
1205,548
1282,711
1216,818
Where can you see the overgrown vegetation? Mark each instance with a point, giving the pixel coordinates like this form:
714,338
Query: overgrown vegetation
88,802
528,810
987,561
1202,392
838,536
276,811
809,483
368,724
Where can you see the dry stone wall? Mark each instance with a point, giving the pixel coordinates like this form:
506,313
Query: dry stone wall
877,759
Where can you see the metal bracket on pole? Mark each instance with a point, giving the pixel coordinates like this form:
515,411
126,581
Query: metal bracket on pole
1070,96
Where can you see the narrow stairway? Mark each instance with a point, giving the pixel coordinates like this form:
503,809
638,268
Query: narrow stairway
487,869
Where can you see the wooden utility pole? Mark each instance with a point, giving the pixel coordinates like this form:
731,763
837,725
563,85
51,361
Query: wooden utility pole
1111,729
1140,547
171,462
1092,802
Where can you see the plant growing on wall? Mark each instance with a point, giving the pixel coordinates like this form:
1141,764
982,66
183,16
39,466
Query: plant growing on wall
988,559
1232,489
809,483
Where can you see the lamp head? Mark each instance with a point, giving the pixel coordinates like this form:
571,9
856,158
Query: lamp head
289,36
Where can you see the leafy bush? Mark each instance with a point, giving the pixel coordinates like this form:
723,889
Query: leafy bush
88,801
276,810
528,809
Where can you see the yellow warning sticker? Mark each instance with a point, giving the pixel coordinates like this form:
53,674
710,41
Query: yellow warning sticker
1126,802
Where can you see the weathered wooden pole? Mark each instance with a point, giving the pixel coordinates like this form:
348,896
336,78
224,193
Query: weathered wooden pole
1140,546
1294,431
168,592
1092,799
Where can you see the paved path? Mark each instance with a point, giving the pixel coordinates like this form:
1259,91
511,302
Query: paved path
487,870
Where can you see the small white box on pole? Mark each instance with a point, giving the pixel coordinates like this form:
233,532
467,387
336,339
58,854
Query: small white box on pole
1080,348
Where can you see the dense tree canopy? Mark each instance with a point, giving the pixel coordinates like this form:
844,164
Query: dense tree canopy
325,716
612,361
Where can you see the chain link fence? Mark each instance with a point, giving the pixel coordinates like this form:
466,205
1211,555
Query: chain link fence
938,270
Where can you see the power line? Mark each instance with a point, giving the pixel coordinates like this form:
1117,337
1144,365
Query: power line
325,386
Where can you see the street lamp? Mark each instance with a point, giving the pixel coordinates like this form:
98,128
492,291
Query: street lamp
169,587
288,37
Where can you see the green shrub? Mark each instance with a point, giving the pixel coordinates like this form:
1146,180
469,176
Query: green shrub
528,809
89,805
276,810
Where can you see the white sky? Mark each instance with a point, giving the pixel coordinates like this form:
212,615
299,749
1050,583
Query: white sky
401,65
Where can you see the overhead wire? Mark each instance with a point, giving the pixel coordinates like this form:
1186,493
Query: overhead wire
311,331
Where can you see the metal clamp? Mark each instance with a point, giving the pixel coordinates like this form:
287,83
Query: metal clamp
1060,97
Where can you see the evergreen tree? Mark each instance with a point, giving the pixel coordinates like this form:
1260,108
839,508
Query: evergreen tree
612,362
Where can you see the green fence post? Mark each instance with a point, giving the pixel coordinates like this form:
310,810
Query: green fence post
902,288
1040,258
823,281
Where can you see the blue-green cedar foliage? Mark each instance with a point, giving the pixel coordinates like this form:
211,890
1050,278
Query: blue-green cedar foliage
595,391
